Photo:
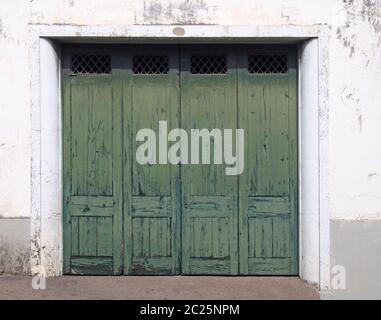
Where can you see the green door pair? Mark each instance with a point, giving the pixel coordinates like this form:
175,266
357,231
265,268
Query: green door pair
122,217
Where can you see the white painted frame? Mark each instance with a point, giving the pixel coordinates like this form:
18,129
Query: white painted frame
46,217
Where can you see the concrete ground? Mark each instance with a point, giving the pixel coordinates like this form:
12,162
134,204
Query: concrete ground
158,287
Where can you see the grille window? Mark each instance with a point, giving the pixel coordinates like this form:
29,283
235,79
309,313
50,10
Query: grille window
208,64
267,64
150,64
90,64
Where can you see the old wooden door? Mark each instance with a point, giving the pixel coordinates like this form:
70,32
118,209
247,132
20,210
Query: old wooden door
152,191
93,198
268,186
158,218
209,216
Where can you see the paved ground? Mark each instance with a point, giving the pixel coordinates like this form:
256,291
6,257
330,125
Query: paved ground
148,287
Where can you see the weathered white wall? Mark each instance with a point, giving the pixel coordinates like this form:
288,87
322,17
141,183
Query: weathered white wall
15,143
355,111
223,12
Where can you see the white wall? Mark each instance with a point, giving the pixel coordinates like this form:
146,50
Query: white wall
353,130
355,113
15,142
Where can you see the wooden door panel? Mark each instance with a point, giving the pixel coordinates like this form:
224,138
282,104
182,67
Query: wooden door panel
151,102
209,217
152,201
92,107
268,187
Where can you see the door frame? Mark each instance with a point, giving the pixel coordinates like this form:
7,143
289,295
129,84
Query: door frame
46,129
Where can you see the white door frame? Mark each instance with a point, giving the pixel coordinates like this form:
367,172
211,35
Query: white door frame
46,215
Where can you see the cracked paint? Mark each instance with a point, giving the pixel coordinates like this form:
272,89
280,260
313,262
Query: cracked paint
368,11
184,12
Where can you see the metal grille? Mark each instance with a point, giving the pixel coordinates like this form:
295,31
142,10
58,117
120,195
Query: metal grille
268,64
90,64
208,64
150,64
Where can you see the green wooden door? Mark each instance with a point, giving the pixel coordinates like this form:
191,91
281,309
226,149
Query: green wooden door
151,191
93,199
209,215
268,186
121,216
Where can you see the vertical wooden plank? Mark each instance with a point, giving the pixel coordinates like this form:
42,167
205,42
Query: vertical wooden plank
117,168
146,237
293,145
169,244
224,242
267,227
102,126
265,130
90,147
244,119
202,241
104,237
196,232
263,237
279,230
208,238
74,236
281,241
137,238
258,238
132,241
279,138
216,229
160,239
174,223
251,240
66,115
87,236
187,224
80,127
154,232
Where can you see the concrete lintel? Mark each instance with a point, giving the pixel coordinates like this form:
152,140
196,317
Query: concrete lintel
160,32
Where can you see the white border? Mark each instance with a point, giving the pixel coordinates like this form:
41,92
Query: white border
46,217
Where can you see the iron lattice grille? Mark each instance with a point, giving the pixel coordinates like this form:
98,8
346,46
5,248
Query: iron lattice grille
208,64
267,64
90,64
150,64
